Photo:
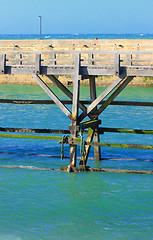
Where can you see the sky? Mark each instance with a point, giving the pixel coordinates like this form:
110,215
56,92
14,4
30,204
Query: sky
76,16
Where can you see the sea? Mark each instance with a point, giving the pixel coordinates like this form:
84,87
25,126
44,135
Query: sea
44,205
76,36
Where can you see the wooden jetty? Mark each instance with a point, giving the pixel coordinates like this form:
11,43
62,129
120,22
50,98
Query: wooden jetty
79,65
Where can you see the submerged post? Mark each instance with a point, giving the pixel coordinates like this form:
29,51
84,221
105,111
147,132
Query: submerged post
93,96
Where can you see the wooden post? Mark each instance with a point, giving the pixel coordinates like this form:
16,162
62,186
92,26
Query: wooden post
38,64
2,63
93,96
75,107
117,64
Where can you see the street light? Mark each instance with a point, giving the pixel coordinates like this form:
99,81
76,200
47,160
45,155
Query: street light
40,25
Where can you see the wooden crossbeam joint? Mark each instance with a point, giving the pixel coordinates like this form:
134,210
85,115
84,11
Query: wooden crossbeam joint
90,123
74,128
85,124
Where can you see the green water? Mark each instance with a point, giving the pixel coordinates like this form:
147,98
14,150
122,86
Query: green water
55,205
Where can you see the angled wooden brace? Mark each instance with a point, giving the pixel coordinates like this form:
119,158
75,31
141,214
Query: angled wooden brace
52,96
65,90
115,94
104,94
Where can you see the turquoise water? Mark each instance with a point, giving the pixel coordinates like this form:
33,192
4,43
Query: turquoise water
76,36
55,205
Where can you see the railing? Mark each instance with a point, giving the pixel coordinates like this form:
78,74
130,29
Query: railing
91,63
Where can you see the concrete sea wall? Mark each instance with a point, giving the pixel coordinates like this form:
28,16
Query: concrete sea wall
137,45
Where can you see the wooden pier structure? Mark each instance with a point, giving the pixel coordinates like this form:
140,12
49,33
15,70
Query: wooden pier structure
79,65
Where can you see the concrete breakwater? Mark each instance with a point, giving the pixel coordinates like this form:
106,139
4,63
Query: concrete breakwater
125,45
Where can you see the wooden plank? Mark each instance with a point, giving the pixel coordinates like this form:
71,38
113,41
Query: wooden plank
52,96
119,103
76,141
26,136
138,146
34,130
123,130
104,94
64,131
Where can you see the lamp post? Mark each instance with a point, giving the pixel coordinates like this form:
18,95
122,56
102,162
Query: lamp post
40,25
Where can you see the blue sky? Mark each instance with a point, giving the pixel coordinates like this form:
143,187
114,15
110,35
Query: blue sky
76,16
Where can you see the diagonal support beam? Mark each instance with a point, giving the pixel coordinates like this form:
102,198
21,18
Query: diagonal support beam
52,96
104,94
115,94
84,157
65,90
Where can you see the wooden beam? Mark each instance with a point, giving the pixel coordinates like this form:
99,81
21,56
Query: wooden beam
65,90
75,108
84,157
119,103
104,94
96,137
2,63
52,96
123,130
117,64
90,123
38,64
115,94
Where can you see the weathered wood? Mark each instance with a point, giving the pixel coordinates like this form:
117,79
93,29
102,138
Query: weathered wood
2,63
123,130
38,64
65,169
76,141
90,59
75,108
90,123
104,94
64,131
52,96
139,146
65,90
119,103
34,130
89,169
96,137
117,64
26,136
96,67
115,94
85,154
